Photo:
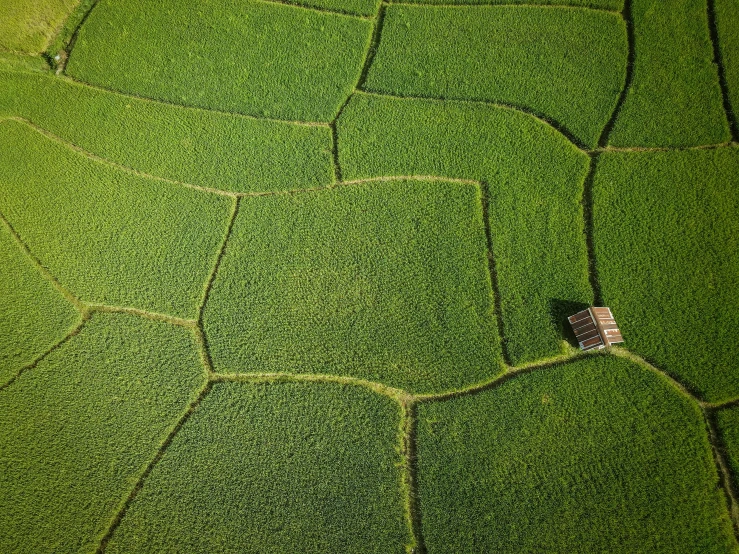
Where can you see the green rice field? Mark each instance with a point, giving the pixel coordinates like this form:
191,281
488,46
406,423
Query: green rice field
283,276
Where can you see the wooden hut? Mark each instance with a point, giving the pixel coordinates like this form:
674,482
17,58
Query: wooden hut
595,328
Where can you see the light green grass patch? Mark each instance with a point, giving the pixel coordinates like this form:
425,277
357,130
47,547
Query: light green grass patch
667,253
563,64
598,455
386,282
727,27
204,148
244,56
78,430
109,236
272,468
33,315
29,25
674,98
534,179
356,7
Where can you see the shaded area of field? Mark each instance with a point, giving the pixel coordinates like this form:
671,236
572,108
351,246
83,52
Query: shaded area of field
203,148
675,98
285,467
667,252
33,315
727,33
77,430
386,282
597,455
250,57
29,25
533,181
110,236
510,55
728,425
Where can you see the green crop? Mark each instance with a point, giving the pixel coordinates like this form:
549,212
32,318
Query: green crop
511,55
594,456
33,315
727,27
355,7
387,282
666,238
78,429
675,98
29,25
728,424
272,468
204,148
245,56
612,5
534,180
109,236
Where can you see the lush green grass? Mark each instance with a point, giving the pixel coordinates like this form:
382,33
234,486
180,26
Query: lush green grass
728,424
275,468
386,281
195,146
727,26
595,456
666,239
595,4
29,25
675,98
564,64
110,236
357,7
240,55
33,315
534,179
77,430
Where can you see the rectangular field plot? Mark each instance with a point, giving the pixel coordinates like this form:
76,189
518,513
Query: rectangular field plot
109,236
666,239
674,98
77,430
29,25
534,182
599,455
250,57
200,147
281,467
386,282
563,64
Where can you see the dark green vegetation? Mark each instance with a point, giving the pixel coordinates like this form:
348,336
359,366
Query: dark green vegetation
110,236
281,467
33,315
511,55
666,238
728,424
675,98
29,25
384,281
727,30
595,456
245,56
77,430
613,5
200,147
533,177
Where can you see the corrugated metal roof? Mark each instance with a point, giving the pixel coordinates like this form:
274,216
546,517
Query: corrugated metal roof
595,328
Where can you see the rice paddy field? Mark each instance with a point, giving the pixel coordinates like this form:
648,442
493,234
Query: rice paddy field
294,276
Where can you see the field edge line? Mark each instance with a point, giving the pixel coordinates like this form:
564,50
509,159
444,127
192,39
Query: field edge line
409,476
118,518
718,61
465,4
726,483
74,331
